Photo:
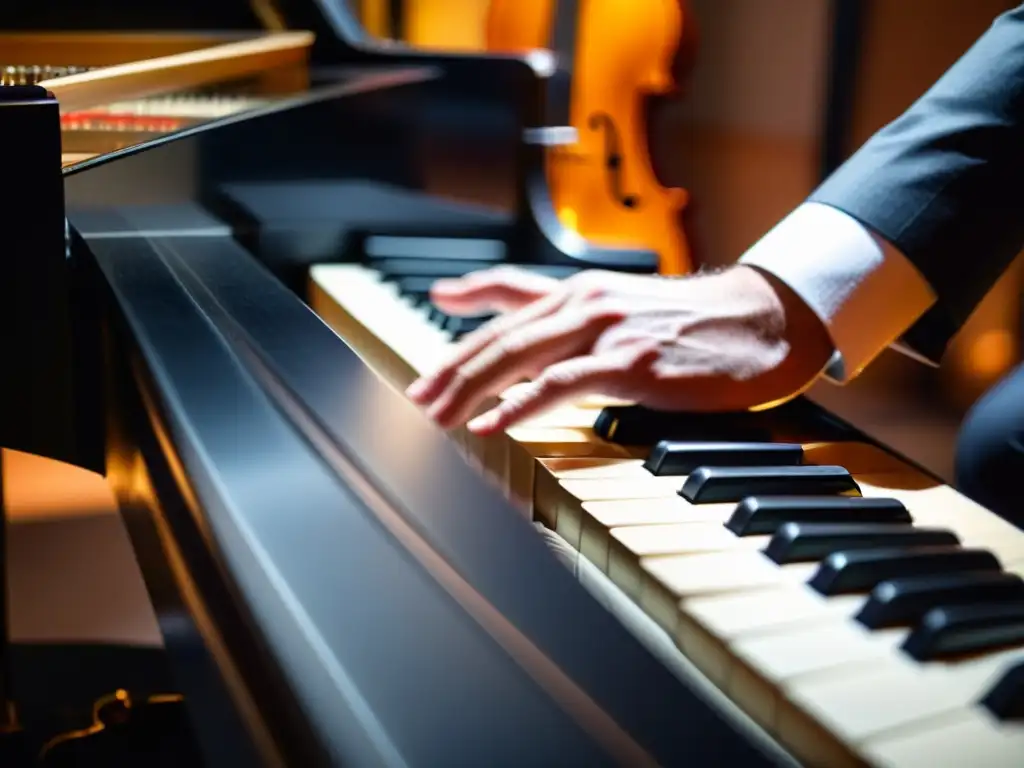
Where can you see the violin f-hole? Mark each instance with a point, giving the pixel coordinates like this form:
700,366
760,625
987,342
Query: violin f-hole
613,159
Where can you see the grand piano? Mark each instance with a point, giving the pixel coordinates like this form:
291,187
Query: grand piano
220,314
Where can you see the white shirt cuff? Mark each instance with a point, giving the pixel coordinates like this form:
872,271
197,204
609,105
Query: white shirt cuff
864,290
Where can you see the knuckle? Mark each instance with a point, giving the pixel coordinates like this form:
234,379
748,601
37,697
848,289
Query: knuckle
510,345
506,275
546,385
638,363
605,310
460,381
590,293
592,286
552,380
585,284
481,336
521,401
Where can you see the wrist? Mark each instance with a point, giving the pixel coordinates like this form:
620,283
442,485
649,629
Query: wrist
798,325
753,298
787,328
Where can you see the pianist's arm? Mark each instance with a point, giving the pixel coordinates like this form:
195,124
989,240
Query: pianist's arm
910,233
915,228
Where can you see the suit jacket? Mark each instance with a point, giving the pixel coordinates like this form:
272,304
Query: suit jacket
944,182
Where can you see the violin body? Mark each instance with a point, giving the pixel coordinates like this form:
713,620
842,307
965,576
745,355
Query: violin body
604,186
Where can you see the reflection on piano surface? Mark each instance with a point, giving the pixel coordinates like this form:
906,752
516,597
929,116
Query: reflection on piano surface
353,590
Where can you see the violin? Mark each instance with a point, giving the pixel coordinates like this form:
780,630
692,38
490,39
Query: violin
623,54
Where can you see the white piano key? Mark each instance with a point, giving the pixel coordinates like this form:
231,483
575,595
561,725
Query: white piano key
970,738
861,703
592,468
797,661
732,616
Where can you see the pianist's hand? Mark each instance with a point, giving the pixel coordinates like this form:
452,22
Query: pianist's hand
724,341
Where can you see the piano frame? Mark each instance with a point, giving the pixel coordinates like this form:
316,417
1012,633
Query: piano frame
298,558
432,593
324,597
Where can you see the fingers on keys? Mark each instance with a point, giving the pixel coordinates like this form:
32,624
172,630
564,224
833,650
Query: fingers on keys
523,352
502,289
567,380
428,389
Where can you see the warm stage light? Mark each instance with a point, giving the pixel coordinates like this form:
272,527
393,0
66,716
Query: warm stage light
992,353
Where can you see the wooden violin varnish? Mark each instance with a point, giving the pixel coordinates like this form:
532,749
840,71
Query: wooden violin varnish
614,55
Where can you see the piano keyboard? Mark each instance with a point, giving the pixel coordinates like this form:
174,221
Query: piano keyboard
856,609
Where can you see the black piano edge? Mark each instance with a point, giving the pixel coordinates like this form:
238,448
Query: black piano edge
281,350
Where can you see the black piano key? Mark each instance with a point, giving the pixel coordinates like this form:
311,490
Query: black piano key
436,316
802,542
460,326
960,630
1005,699
414,286
670,457
711,485
418,299
392,268
861,570
907,600
761,515
636,425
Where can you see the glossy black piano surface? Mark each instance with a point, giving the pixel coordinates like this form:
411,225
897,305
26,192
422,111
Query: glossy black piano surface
335,583
380,602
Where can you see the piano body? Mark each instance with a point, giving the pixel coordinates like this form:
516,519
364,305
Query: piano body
223,327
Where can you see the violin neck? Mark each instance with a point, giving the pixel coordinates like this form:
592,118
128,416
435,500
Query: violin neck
563,43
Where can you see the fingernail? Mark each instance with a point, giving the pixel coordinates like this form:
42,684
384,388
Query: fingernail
444,284
435,411
485,422
416,390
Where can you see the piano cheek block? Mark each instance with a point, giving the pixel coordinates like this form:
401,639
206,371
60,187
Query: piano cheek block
716,485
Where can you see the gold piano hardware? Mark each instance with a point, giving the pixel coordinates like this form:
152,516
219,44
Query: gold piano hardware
120,67
795,661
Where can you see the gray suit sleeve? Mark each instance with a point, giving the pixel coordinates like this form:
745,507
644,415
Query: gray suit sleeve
945,181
